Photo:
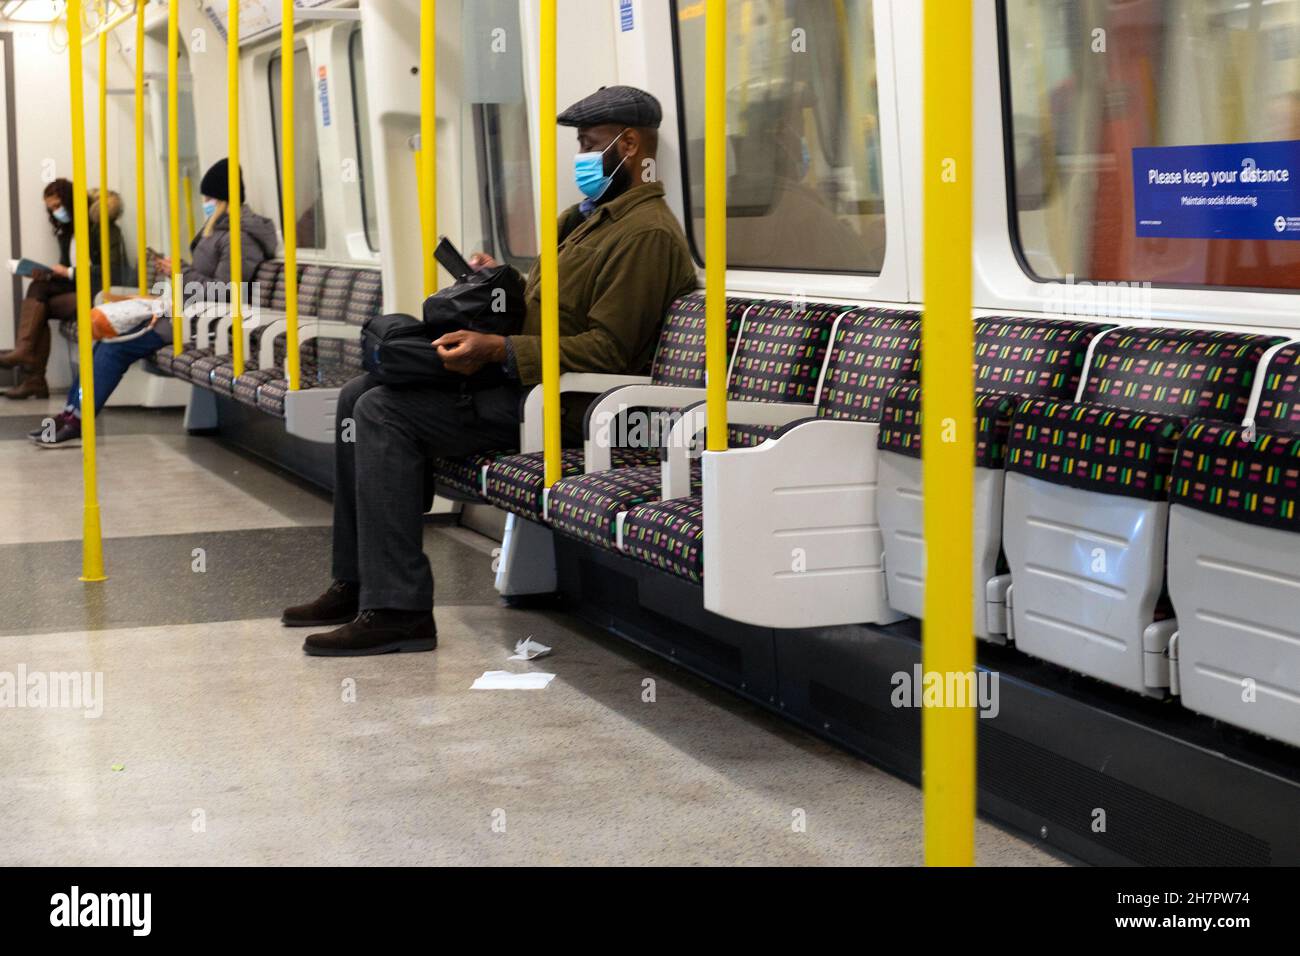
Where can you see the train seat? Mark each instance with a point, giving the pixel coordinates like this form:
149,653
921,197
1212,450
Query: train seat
682,332
1014,359
1234,560
676,378
778,357
1086,506
783,532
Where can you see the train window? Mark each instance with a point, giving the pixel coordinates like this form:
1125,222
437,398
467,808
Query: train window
502,145
307,175
803,134
1088,82
361,122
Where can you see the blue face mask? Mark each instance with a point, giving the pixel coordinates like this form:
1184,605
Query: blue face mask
589,171
62,215
209,208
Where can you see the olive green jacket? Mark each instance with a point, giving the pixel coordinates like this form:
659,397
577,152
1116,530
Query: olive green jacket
619,270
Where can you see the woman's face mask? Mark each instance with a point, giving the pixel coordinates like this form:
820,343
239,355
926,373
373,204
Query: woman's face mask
589,171
209,208
62,215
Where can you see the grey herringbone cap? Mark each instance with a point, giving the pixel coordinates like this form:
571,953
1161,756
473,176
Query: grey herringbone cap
620,105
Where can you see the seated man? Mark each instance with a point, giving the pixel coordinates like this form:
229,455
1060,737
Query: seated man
622,260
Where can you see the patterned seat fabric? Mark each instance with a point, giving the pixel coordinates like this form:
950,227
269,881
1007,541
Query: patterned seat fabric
1142,389
1014,359
515,481
678,361
668,535
463,474
1255,480
873,349
779,358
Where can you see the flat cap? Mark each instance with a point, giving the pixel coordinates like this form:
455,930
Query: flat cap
621,105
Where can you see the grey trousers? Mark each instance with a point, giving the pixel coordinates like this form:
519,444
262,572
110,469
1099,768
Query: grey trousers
382,441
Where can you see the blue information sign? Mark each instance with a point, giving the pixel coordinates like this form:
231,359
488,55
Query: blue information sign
625,15
1229,191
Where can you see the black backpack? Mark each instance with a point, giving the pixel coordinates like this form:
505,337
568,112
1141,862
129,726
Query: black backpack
397,349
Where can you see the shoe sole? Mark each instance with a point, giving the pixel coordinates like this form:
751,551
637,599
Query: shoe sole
47,445
394,647
331,622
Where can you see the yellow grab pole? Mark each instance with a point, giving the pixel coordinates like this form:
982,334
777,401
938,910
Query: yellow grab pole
549,252
428,142
105,245
92,543
290,198
715,221
174,173
947,376
236,196
141,239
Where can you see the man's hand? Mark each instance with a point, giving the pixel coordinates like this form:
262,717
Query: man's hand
480,261
466,352
163,264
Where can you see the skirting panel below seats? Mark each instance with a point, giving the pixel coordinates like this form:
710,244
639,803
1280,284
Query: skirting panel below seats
1179,789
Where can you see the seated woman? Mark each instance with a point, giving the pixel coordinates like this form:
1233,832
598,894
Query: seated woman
53,294
209,267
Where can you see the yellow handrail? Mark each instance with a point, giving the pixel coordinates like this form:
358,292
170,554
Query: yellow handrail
549,248
141,238
715,221
235,204
174,173
290,197
92,542
428,142
948,401
105,244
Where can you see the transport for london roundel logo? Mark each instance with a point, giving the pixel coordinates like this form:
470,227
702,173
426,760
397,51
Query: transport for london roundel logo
1280,224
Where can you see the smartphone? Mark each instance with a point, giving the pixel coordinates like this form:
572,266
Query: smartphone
449,258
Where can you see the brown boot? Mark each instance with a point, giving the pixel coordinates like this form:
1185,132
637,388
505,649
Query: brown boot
32,386
32,348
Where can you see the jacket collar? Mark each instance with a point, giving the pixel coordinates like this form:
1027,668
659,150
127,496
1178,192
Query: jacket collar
620,207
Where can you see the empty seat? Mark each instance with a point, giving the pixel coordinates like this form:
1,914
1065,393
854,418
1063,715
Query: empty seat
1086,504
1014,359
1234,561
778,356
514,482
783,533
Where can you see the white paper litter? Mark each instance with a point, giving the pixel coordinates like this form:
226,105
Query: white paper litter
509,680
529,649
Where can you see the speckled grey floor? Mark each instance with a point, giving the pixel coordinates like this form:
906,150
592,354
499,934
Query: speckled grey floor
221,743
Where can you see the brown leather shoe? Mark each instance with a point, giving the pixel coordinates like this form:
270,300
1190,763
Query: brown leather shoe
376,632
33,386
338,605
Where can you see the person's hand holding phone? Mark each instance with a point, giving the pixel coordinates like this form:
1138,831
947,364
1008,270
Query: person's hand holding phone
481,260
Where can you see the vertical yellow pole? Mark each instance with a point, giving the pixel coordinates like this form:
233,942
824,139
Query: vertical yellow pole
715,221
174,173
105,245
290,198
947,343
92,544
236,196
428,142
549,252
141,239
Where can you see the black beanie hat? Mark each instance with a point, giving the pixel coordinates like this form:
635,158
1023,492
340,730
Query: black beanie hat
216,182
